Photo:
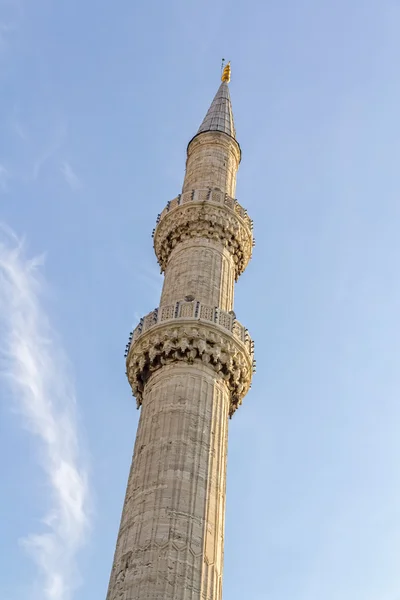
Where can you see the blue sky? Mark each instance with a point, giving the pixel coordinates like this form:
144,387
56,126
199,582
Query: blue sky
98,101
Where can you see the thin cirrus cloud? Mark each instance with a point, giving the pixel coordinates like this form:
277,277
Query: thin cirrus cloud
49,152
70,177
33,366
11,12
4,177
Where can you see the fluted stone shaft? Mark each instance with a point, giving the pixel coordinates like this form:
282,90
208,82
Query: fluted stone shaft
202,267
212,161
189,365
170,543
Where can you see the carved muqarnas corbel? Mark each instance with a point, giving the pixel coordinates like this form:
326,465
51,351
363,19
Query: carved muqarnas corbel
207,221
206,344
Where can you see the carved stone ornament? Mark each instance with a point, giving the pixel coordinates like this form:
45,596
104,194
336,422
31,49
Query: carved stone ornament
191,341
202,216
118,576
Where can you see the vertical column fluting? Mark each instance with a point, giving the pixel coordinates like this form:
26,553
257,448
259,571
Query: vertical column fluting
203,269
170,542
212,161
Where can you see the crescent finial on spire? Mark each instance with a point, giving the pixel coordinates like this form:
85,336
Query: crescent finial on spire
226,73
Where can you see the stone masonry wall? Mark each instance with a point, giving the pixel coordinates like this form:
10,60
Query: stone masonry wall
213,160
170,543
201,268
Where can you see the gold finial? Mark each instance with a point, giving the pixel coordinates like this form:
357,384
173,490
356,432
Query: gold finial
226,73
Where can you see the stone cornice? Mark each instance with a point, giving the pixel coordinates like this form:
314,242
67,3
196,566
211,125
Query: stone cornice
190,332
207,214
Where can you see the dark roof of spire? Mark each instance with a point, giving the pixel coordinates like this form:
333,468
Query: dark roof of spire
220,116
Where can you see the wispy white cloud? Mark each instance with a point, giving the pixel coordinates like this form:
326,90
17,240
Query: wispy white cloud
33,364
42,158
4,177
10,15
70,176
19,129
5,30
58,137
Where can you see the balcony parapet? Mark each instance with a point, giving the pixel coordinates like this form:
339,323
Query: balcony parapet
208,195
192,332
209,214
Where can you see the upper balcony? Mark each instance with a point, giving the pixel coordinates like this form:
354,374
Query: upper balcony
207,214
212,196
194,333
196,311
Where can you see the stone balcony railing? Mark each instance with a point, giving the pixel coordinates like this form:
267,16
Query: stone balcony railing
190,331
194,310
208,215
213,196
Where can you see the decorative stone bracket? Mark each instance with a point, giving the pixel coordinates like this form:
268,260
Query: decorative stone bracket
226,349
206,214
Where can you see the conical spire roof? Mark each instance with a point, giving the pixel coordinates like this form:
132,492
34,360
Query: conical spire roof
220,116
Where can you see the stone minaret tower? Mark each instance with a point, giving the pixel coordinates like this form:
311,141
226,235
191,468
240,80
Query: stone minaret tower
189,363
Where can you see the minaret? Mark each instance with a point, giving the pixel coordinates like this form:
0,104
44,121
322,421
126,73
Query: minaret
189,363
